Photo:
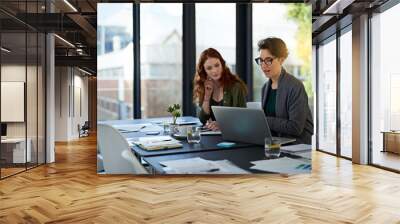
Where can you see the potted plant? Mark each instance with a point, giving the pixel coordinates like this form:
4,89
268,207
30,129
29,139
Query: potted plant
175,111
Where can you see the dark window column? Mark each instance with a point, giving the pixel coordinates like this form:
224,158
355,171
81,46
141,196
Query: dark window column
244,48
189,58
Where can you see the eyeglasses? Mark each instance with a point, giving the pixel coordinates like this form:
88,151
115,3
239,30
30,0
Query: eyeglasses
266,61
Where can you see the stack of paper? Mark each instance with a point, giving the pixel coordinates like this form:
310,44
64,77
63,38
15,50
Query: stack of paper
198,165
157,143
282,165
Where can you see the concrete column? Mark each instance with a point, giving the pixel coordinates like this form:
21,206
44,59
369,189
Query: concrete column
50,99
360,90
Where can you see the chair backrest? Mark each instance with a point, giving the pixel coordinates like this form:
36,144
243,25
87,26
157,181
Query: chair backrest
115,150
86,126
254,105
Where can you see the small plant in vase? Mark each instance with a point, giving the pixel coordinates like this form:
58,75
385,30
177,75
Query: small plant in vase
175,111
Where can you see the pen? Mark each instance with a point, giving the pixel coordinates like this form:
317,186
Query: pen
300,166
212,170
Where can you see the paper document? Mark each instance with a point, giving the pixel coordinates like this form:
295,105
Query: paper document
306,155
129,127
198,165
157,143
183,121
296,148
282,165
150,128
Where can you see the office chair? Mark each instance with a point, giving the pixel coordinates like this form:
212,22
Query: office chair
100,166
84,130
115,150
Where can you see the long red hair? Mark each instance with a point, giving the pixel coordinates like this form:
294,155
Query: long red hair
227,77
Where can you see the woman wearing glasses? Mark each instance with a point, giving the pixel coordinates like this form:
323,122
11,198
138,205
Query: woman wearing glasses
215,85
284,99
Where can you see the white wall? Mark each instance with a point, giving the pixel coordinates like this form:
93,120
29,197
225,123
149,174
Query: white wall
12,73
71,94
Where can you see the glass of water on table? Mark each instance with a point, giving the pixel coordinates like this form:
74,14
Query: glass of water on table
272,148
193,134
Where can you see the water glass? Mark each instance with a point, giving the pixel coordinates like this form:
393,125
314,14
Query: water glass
166,127
193,134
272,148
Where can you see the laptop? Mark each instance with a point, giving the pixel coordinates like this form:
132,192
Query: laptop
245,125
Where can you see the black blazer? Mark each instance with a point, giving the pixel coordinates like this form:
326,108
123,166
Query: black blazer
293,115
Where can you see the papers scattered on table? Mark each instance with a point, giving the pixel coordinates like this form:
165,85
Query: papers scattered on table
296,148
185,121
157,143
198,165
282,165
130,127
145,127
306,155
152,128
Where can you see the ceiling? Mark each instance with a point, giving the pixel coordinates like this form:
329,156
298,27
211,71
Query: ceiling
74,22
330,15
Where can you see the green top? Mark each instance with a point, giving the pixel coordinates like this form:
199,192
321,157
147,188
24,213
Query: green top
271,102
234,96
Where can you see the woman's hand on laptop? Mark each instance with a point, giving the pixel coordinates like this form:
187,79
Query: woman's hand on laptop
213,125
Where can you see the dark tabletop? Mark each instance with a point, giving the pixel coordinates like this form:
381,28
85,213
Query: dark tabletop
207,143
240,157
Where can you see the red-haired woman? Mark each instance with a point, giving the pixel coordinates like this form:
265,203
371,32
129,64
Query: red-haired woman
215,85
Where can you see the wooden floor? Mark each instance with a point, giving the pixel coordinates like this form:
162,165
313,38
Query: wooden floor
70,191
10,171
386,159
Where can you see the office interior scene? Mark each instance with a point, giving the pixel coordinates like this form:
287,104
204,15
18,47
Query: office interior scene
55,80
149,63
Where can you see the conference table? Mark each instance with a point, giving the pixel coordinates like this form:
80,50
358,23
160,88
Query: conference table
241,155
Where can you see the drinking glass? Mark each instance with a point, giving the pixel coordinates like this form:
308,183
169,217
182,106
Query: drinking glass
193,135
272,148
166,127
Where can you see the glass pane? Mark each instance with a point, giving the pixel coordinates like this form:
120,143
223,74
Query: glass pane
294,30
346,94
32,98
216,28
385,88
41,99
161,58
115,61
327,96
13,87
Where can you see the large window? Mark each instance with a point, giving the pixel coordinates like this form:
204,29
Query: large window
385,84
216,28
161,57
115,61
295,30
346,94
327,96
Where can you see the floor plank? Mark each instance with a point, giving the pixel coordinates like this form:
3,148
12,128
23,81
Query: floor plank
70,191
